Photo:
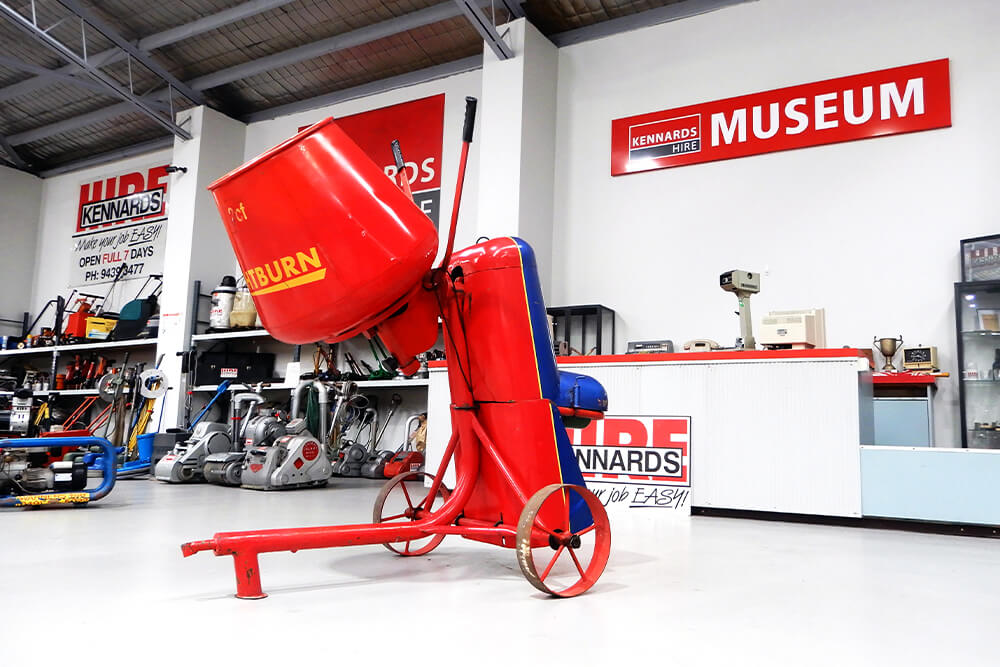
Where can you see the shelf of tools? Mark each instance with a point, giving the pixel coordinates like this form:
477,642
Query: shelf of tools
62,365
246,356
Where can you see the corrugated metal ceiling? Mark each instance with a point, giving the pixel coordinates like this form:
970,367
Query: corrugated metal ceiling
29,107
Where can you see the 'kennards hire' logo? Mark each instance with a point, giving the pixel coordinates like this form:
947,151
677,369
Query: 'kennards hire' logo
665,138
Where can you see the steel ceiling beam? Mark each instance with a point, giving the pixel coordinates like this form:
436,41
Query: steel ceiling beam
154,41
672,12
513,7
347,40
130,49
51,75
12,156
485,28
110,156
369,33
31,27
371,88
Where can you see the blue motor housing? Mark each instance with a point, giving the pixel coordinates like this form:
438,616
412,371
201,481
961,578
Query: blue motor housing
581,399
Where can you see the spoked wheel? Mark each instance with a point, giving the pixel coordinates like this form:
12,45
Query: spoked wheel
403,499
554,559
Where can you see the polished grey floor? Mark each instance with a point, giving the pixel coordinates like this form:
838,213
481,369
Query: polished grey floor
109,581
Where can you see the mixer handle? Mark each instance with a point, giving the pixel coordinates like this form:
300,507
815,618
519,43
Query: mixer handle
470,119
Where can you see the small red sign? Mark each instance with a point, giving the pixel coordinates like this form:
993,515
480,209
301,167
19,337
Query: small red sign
298,463
890,101
419,127
310,451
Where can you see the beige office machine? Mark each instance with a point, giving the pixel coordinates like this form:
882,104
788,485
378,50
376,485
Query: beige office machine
920,358
793,329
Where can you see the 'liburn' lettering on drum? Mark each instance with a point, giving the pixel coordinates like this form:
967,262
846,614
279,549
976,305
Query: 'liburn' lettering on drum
286,272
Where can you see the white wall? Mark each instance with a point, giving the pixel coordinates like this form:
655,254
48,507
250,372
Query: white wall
197,245
517,131
20,202
869,229
263,135
57,224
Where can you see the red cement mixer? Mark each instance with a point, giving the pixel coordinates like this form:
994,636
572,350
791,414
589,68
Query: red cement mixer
332,248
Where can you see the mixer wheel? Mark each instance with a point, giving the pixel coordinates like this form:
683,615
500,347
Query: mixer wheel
404,498
571,562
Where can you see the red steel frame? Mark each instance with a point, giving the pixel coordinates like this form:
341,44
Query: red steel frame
499,407
469,441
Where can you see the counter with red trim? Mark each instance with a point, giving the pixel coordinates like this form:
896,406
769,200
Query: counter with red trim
762,430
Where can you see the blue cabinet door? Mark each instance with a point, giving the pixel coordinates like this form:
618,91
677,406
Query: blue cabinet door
902,421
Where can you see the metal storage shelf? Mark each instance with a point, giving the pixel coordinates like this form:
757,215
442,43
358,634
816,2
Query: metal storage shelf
28,350
242,386
61,392
372,384
229,335
418,382
104,345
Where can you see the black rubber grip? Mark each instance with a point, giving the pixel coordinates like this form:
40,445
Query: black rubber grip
470,119
397,154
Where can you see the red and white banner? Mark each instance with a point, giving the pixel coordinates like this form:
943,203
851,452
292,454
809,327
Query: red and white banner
419,127
120,220
636,461
875,104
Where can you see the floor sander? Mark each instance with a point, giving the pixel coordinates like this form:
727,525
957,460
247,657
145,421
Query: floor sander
258,429
296,458
186,462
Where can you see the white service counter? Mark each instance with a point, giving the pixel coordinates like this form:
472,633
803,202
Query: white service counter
773,431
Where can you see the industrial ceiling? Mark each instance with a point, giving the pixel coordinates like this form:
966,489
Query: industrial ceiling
85,81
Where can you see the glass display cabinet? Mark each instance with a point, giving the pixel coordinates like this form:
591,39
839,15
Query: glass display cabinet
977,317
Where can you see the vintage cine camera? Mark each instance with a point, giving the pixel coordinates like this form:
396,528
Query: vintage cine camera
740,281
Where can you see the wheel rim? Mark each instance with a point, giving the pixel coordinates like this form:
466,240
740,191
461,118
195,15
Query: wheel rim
553,559
403,499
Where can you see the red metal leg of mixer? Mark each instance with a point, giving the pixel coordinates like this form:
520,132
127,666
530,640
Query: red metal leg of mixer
247,576
445,460
487,444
